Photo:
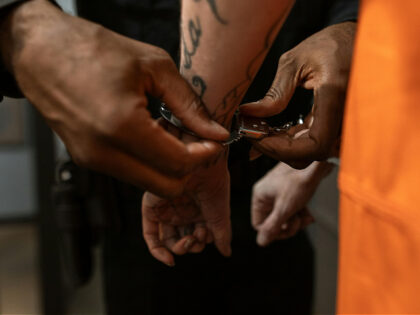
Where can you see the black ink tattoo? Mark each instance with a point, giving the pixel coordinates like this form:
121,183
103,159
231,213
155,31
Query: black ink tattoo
227,107
194,29
198,82
213,7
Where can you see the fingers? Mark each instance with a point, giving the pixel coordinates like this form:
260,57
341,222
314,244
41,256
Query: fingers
272,225
181,240
149,142
172,240
198,232
317,143
288,229
216,213
291,229
298,222
280,93
152,239
186,105
222,236
118,164
261,207
203,152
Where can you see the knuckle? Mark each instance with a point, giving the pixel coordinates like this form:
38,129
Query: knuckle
191,104
273,93
287,59
256,189
159,58
111,120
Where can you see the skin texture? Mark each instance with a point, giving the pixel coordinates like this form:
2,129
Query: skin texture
220,65
90,84
185,224
279,199
320,63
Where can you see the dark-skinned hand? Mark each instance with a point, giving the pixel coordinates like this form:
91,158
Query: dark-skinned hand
320,63
91,86
186,223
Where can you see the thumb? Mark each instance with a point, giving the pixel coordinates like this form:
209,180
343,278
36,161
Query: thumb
217,217
203,152
222,235
186,105
280,93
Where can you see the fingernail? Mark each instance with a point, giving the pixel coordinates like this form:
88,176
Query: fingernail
200,235
208,144
171,264
262,240
300,133
219,128
188,243
244,106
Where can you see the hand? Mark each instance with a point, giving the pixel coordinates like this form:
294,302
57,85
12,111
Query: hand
90,84
321,63
203,209
279,199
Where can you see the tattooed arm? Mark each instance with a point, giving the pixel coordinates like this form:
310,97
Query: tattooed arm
222,47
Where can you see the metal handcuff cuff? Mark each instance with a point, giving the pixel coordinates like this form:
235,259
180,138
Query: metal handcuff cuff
243,126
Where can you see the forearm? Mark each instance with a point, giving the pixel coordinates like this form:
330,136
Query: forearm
223,46
313,174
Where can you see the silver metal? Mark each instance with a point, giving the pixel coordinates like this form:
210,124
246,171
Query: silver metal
234,136
243,127
167,114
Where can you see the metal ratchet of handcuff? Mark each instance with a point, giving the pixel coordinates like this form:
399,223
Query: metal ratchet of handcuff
243,126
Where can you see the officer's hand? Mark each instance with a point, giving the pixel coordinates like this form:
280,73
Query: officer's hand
321,63
90,84
278,208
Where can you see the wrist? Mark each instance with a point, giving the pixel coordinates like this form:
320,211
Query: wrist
316,171
24,27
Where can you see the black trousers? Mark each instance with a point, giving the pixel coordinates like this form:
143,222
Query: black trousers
273,280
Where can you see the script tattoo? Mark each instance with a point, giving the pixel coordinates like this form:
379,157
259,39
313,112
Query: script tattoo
213,7
194,30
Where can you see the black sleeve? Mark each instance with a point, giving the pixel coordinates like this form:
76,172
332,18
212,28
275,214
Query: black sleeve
8,85
343,11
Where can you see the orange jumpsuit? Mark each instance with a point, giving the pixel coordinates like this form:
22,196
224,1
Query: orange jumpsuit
379,256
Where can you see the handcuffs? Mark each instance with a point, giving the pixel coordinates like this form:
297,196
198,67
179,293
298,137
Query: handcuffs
242,126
